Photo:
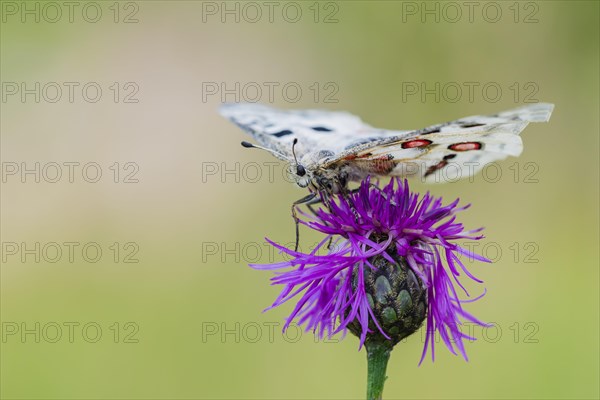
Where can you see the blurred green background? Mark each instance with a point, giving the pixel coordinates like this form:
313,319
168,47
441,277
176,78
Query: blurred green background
185,320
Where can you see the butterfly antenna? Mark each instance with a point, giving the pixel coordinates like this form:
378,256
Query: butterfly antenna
300,170
253,146
293,150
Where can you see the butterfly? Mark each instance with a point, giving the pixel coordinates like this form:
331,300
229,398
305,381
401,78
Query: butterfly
326,150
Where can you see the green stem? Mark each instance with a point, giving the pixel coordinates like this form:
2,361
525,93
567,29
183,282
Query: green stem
378,355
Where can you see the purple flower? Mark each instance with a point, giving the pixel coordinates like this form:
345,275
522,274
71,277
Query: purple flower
393,260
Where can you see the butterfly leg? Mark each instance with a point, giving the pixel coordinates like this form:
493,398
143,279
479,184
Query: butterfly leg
306,199
316,200
310,203
374,186
329,243
346,195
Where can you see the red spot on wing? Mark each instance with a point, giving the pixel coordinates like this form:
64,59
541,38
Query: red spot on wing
465,146
416,143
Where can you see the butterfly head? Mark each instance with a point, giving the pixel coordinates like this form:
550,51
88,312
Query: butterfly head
300,175
310,172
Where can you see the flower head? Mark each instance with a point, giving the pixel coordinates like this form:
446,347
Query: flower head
394,261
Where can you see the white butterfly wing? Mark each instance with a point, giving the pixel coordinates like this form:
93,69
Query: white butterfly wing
439,153
446,152
316,130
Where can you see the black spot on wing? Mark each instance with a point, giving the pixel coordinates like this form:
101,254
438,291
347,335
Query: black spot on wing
449,156
471,125
282,133
426,131
321,129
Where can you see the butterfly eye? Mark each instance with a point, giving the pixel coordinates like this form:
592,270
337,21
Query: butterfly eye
300,171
